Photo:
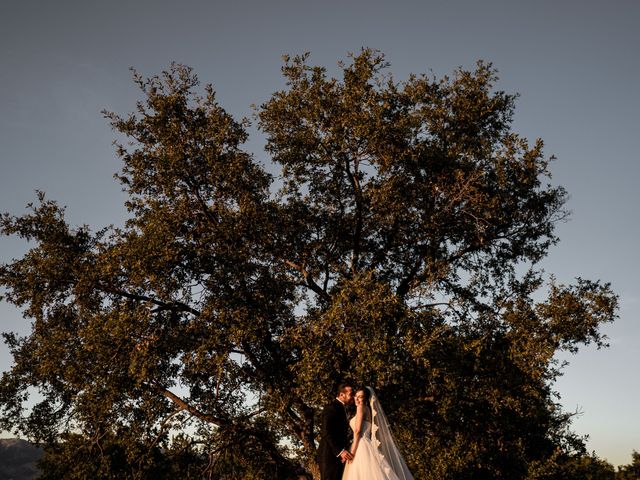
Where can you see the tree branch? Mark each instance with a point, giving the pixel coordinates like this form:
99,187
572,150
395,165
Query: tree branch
309,280
162,427
405,284
382,252
175,305
183,405
357,192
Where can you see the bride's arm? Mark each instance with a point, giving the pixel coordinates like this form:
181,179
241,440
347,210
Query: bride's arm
357,431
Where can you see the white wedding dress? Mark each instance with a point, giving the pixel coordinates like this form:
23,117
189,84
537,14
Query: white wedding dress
377,457
368,464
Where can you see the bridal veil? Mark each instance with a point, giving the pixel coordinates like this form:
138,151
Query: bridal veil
383,439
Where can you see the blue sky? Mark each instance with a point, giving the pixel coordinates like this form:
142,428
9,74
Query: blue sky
574,64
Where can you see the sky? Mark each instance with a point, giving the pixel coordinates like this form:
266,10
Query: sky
574,64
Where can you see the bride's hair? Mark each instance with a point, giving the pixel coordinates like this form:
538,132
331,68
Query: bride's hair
367,395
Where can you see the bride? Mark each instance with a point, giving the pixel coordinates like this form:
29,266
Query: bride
375,454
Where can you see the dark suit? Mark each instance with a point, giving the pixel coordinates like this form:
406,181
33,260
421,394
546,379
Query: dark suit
334,439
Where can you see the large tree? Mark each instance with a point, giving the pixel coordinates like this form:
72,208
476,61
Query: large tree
397,245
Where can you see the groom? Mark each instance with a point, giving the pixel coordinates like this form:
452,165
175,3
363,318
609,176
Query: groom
333,451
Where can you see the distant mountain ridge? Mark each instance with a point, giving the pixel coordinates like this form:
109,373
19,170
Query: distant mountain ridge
18,459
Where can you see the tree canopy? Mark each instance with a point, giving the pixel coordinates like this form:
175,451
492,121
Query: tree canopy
631,471
392,237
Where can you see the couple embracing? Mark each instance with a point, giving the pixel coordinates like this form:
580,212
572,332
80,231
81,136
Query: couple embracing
373,454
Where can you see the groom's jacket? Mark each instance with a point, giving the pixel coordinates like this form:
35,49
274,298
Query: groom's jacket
335,430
